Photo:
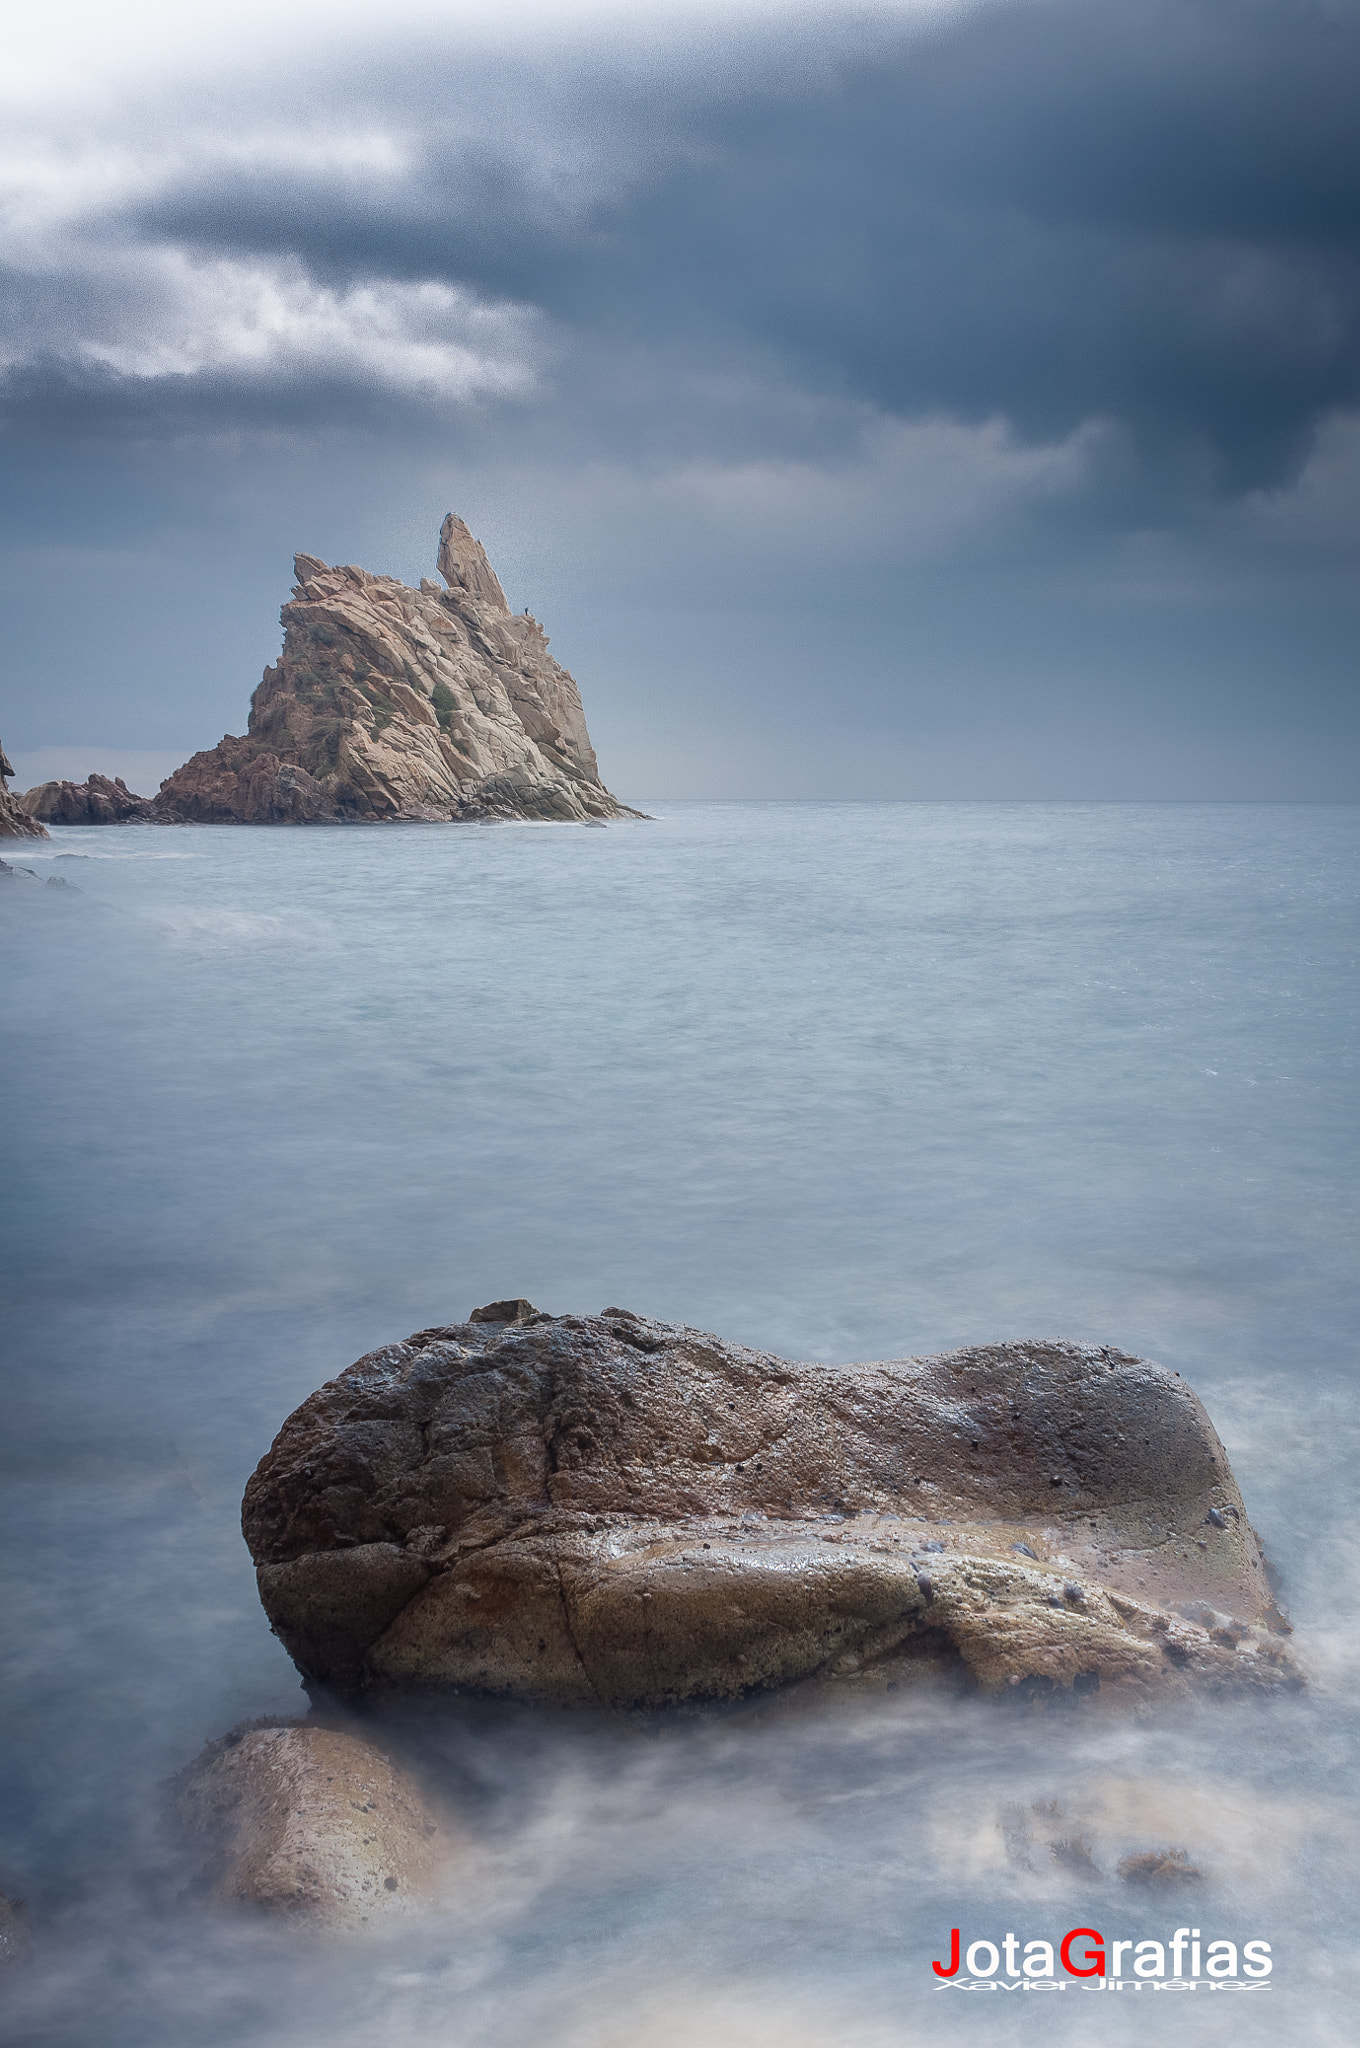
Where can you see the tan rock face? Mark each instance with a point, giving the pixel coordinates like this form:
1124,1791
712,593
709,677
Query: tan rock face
15,822
97,801
310,1822
464,567
389,703
616,1510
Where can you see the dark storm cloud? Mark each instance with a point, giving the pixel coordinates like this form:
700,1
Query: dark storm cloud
1050,213
869,406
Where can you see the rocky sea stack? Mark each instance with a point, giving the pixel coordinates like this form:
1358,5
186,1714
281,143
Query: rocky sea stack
610,1510
389,703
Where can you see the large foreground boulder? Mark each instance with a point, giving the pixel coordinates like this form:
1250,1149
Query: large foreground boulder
311,1822
608,1509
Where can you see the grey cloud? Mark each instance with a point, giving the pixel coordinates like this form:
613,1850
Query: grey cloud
980,381
1050,212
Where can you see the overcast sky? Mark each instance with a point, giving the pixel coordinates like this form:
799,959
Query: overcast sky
917,400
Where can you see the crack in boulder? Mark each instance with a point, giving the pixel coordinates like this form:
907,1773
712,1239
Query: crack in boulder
543,1508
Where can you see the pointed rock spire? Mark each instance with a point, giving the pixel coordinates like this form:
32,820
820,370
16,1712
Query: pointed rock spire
463,564
391,703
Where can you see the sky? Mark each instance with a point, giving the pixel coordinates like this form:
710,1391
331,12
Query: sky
916,400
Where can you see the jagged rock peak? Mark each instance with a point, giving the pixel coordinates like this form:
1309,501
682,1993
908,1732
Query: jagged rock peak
96,801
392,704
463,564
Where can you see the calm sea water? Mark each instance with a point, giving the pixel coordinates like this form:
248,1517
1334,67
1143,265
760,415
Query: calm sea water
849,1081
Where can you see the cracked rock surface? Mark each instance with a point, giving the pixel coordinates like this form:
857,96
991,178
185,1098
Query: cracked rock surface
96,801
389,703
614,1510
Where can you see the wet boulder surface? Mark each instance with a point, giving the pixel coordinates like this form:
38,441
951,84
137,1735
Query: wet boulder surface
310,1822
617,1511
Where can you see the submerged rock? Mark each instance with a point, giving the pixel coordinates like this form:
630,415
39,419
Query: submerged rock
610,1509
1152,1830
27,881
15,823
97,801
1161,1869
308,1821
389,703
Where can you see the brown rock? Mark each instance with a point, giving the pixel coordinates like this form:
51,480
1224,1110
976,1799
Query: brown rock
389,703
94,802
311,1822
517,1311
15,823
1162,1869
240,783
615,1510
464,567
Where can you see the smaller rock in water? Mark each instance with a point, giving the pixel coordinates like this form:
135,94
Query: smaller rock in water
518,1311
1160,1868
96,801
309,1822
1124,1824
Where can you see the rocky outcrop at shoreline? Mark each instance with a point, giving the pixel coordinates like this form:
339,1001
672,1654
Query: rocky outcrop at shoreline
607,1509
389,703
97,801
15,823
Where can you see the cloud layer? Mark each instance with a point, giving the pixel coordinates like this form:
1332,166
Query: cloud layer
1049,300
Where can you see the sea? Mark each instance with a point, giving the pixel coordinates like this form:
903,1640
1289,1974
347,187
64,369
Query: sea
841,1080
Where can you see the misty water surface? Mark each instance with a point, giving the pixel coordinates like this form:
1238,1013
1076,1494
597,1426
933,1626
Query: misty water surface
848,1081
